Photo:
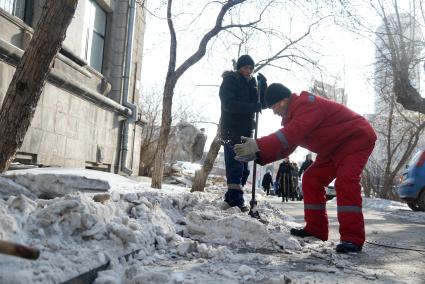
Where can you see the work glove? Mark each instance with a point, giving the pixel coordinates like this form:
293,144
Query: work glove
246,151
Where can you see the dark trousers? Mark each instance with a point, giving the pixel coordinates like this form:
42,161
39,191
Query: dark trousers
286,187
236,174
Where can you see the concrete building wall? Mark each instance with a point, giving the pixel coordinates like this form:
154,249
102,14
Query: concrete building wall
78,120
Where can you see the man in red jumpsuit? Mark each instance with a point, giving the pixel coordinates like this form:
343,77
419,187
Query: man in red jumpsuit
343,141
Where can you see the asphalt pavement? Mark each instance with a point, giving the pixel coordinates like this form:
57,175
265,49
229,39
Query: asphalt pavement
394,251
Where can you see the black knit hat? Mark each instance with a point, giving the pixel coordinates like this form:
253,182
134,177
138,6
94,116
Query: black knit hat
276,92
243,61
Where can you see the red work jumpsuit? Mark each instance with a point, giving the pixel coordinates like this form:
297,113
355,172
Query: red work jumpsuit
343,141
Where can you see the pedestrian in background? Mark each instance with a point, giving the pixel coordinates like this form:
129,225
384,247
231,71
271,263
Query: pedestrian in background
267,182
284,177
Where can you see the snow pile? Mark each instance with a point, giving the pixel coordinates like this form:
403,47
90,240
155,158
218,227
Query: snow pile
56,182
80,229
8,187
383,204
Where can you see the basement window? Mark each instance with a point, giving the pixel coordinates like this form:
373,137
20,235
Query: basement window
25,158
98,167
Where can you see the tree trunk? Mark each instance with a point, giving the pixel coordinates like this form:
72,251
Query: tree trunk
158,167
202,174
366,183
30,76
387,190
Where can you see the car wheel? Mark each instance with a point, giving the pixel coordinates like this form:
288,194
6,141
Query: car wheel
421,201
413,205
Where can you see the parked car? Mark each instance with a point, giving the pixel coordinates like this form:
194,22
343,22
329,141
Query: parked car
330,190
412,188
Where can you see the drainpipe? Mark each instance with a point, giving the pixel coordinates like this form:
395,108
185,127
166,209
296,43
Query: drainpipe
126,86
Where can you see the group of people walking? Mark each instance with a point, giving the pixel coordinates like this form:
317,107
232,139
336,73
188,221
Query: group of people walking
286,184
342,139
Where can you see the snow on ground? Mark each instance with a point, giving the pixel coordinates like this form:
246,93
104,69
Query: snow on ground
84,229
396,209
81,219
383,204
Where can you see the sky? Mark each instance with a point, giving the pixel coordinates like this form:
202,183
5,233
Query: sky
343,54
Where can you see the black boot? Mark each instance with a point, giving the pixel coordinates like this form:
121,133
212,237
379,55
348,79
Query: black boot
346,247
300,233
244,208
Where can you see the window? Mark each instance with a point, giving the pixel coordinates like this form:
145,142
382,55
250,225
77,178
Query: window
94,29
14,7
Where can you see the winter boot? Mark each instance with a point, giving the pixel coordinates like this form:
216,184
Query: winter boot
244,208
300,233
234,197
346,247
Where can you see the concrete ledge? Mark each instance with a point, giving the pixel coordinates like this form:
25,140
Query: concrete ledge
13,55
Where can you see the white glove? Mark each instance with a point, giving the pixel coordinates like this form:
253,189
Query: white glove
246,151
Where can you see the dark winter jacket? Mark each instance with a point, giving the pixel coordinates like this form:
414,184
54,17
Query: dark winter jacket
239,102
285,169
304,166
267,181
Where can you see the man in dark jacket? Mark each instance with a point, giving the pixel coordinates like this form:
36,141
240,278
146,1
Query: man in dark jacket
343,141
307,163
284,177
267,182
239,103
294,193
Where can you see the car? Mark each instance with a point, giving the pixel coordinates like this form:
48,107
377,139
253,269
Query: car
330,190
412,187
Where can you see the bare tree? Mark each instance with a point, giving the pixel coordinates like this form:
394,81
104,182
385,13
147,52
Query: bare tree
151,109
399,42
201,175
399,45
399,132
174,72
404,43
30,76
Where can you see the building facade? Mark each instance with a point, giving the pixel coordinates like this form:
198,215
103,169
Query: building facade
87,116
330,92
